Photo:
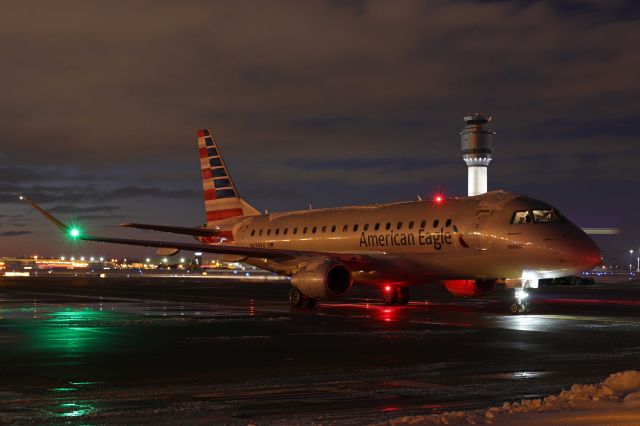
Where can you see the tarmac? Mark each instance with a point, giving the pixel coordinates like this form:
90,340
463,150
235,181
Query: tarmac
207,350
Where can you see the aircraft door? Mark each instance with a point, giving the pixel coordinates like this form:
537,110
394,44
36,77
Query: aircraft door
482,235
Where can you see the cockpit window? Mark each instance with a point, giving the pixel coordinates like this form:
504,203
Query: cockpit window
537,216
546,216
521,217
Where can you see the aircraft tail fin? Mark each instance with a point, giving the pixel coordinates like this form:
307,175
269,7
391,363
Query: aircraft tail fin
223,205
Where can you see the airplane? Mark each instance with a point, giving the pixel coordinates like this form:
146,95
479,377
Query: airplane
468,244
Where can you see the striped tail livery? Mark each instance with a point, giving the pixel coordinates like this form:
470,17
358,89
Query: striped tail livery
224,208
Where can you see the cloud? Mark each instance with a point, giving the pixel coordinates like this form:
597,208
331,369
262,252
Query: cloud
82,209
101,101
88,193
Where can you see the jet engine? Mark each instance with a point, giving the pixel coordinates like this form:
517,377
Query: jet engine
469,288
324,277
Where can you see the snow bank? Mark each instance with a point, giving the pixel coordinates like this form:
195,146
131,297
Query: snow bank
617,397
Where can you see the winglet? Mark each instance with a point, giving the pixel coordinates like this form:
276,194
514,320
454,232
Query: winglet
46,214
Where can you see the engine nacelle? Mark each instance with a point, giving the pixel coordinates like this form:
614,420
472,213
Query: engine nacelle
469,288
325,277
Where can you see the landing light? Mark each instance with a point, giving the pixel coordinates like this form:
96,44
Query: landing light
521,294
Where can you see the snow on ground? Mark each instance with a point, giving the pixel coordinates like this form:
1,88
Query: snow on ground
616,401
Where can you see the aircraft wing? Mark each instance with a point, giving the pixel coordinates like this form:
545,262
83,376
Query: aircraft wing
198,232
352,260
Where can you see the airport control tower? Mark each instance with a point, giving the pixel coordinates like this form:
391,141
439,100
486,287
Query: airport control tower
476,138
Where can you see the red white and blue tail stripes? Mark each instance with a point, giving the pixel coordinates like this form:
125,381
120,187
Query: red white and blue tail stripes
221,200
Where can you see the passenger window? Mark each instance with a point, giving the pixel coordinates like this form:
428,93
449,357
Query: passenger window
388,226
277,231
377,226
304,231
521,217
345,228
333,228
423,224
411,224
324,229
455,228
436,222
253,232
366,227
448,222
295,231
314,229
286,230
399,227
269,231
355,227
260,233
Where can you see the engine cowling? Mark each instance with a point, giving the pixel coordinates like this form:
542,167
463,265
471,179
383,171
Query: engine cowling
325,277
469,288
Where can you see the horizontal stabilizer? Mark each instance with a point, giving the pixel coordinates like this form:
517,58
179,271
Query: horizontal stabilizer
198,232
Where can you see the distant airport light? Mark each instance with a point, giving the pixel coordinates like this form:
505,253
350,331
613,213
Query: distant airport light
82,258
92,258
182,260
165,260
147,260
62,258
102,259
73,258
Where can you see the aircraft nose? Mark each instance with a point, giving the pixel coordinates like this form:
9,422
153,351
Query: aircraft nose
589,253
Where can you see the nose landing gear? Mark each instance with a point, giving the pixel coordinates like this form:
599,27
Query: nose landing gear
520,305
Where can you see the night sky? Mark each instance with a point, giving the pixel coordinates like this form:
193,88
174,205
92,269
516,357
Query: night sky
325,102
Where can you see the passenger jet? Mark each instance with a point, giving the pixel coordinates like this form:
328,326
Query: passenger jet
468,244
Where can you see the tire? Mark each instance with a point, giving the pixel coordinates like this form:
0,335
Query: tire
514,308
389,297
296,298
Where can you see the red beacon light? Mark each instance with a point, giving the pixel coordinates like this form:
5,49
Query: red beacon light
438,198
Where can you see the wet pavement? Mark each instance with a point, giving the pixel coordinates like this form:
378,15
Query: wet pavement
190,351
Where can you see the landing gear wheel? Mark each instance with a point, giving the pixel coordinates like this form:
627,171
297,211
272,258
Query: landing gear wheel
403,295
311,302
520,308
389,296
296,297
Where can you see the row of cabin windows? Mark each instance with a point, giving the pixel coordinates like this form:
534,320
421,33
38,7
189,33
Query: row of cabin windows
345,228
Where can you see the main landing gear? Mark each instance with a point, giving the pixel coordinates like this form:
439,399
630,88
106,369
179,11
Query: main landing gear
520,305
298,299
395,295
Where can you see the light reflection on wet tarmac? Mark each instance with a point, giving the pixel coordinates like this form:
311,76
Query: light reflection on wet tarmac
115,351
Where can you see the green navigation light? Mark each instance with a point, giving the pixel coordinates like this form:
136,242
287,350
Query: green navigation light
74,232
